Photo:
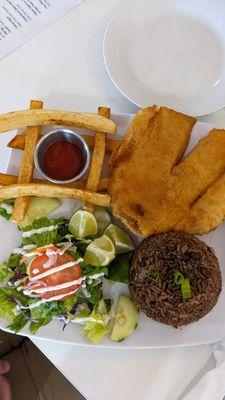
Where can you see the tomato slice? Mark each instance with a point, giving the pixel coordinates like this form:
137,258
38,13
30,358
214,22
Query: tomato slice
38,250
56,278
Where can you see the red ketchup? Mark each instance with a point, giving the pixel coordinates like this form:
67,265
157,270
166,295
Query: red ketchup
63,161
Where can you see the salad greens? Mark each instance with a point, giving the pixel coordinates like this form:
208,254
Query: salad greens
6,208
119,269
86,307
58,228
8,268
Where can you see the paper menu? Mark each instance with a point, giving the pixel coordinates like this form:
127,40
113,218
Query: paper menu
20,20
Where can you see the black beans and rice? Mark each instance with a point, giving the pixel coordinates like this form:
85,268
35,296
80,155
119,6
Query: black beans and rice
153,265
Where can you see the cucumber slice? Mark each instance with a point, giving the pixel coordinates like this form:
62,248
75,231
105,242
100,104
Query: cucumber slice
126,319
39,207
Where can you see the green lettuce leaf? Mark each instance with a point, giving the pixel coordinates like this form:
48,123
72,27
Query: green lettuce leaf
118,270
18,323
83,311
43,313
44,238
34,326
96,295
69,303
52,308
8,267
98,323
7,305
3,211
95,331
89,270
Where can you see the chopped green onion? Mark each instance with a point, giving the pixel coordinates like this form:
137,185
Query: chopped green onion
183,281
178,277
186,289
154,276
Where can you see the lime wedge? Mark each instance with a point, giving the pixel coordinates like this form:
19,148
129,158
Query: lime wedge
100,252
103,218
83,224
121,240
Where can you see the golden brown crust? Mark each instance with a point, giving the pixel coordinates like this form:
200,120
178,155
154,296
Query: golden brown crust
153,191
154,143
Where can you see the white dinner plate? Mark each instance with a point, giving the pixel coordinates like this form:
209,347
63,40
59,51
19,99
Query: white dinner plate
169,52
149,334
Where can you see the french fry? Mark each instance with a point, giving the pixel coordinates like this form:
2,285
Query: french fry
18,142
97,158
27,165
22,119
6,180
45,190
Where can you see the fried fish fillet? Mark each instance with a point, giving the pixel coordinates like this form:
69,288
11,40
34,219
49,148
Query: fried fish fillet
153,191
206,213
141,168
199,169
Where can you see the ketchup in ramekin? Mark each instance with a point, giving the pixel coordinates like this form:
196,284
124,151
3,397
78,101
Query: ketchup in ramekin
62,156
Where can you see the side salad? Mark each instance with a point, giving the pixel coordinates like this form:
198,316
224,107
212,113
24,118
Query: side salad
59,270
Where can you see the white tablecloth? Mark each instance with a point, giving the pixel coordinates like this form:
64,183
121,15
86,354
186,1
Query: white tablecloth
64,66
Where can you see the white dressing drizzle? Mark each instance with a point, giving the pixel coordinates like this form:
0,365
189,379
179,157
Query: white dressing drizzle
39,231
35,271
24,249
38,276
53,270
55,287
19,251
60,296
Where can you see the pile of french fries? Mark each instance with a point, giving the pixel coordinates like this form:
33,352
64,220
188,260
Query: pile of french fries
92,191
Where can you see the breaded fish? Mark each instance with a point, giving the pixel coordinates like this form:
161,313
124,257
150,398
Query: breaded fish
199,169
153,191
141,169
207,212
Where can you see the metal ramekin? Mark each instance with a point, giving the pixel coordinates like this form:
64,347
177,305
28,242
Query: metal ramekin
55,136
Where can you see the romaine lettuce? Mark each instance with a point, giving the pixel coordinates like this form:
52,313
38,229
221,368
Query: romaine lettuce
11,270
43,313
118,270
7,303
18,323
95,324
47,237
3,210
95,331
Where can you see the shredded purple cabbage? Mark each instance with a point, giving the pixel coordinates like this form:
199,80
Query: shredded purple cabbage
64,318
19,274
77,305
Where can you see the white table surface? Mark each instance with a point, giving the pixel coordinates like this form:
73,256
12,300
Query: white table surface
64,66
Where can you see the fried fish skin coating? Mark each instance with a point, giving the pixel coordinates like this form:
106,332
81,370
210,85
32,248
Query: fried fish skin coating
199,169
140,171
206,213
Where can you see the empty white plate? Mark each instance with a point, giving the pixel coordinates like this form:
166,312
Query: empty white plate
169,52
